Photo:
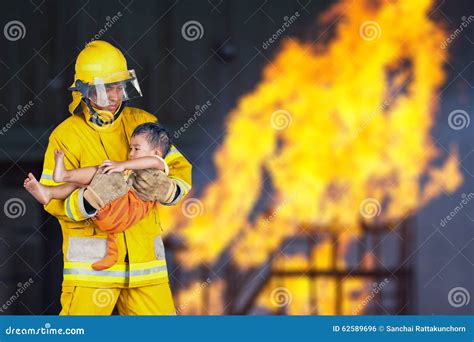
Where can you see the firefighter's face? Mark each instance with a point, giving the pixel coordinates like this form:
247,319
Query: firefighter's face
115,94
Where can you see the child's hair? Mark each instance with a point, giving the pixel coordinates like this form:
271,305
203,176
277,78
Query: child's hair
156,135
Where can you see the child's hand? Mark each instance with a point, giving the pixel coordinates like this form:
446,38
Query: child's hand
110,166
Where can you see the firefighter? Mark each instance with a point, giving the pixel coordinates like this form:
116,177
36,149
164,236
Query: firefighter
100,128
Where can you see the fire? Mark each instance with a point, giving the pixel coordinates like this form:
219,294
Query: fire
191,302
342,131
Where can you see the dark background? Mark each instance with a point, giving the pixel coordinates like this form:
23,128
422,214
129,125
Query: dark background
176,75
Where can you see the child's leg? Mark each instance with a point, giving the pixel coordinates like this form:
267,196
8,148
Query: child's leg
44,193
82,175
116,217
112,255
62,191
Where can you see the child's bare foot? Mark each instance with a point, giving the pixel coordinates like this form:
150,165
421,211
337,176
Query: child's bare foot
39,191
59,169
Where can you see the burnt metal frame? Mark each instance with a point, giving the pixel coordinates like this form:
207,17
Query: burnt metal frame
401,274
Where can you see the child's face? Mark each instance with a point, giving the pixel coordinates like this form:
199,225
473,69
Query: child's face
139,147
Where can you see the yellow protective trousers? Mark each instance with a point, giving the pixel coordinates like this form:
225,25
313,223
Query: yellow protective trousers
144,300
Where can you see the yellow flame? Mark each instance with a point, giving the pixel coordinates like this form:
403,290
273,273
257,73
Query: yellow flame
190,301
341,129
297,292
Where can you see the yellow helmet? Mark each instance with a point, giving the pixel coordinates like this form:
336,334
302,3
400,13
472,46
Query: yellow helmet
97,60
98,66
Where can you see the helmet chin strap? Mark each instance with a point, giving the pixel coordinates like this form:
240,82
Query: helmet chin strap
96,117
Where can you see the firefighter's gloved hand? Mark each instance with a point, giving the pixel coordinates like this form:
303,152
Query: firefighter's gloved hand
153,185
105,188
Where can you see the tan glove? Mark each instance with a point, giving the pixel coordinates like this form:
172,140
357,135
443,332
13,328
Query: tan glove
104,188
153,185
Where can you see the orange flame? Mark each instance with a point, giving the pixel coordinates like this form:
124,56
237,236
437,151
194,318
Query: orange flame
343,131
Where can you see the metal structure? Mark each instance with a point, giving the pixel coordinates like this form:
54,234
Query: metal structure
384,242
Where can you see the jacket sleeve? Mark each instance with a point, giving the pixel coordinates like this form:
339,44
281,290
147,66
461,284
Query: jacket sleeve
180,171
72,208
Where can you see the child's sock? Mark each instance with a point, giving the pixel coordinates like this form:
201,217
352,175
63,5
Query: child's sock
112,255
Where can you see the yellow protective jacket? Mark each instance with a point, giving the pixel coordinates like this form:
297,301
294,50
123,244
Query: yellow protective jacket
141,255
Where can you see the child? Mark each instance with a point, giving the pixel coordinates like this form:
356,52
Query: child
148,145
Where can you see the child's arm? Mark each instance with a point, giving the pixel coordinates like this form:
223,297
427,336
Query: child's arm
152,162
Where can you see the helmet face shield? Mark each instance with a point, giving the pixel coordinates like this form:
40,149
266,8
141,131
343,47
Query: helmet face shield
113,89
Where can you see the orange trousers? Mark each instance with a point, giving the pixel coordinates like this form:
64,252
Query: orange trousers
116,217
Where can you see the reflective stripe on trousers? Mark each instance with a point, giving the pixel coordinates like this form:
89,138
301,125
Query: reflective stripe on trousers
122,273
